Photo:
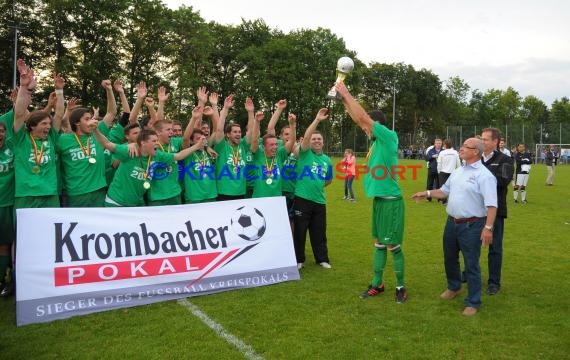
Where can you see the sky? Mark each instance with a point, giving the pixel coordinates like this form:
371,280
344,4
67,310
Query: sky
491,44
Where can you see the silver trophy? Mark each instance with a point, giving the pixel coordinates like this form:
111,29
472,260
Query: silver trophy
344,66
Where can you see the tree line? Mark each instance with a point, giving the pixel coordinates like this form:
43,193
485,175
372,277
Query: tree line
135,40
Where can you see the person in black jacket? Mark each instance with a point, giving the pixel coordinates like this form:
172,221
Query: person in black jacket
502,167
523,160
550,161
431,158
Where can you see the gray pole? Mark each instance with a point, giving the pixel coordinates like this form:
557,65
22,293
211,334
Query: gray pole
394,109
15,56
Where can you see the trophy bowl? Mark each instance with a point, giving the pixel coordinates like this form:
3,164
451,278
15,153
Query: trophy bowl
344,66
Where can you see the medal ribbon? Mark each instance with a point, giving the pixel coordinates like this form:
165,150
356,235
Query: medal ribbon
145,175
235,155
37,158
369,152
202,160
269,167
162,148
88,151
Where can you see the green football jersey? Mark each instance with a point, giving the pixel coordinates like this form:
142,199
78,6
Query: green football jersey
312,171
35,166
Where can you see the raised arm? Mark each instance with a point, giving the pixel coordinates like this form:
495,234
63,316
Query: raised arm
228,104
186,137
279,108
202,95
321,116
162,99
59,83
255,131
149,102
121,91
51,102
65,126
183,154
218,131
293,137
354,109
141,95
102,139
249,107
23,100
111,103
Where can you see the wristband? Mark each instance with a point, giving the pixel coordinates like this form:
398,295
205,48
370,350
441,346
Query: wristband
59,91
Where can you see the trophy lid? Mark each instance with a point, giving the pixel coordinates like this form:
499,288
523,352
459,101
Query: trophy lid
345,64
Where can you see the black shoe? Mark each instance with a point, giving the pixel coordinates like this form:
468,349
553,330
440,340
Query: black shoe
372,291
6,289
493,289
401,295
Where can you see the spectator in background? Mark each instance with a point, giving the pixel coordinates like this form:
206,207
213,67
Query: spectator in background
349,163
503,149
431,158
524,161
447,161
176,128
551,159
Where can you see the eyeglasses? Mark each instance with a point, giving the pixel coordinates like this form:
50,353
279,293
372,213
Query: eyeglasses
468,147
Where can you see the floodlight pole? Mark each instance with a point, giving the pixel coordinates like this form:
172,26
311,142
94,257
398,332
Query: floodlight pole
16,31
394,107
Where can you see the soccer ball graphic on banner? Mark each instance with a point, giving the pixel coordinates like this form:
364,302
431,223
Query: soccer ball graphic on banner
248,223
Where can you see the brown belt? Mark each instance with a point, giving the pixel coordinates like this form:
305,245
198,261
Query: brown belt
465,220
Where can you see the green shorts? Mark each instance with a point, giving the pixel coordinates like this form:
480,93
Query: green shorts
175,200
7,232
93,199
388,220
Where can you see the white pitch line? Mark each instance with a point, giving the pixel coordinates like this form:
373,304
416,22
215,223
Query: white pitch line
245,349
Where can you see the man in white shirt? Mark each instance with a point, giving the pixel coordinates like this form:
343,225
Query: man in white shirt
447,161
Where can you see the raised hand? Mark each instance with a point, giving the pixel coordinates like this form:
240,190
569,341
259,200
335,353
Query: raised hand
208,111
213,99
141,90
292,119
259,116
281,104
202,94
229,101
162,94
118,86
72,104
51,100
149,101
106,84
59,82
322,114
249,104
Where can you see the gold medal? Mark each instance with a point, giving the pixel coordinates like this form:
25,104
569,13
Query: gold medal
146,185
269,181
92,160
36,169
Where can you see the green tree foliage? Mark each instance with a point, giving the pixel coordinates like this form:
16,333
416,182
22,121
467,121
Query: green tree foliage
135,40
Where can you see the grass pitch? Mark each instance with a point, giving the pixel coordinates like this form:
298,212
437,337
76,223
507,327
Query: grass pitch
321,316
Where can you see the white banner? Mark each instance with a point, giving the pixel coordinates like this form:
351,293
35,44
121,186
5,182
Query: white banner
76,261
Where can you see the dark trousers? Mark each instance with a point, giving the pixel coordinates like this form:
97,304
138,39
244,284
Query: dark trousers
442,178
348,187
495,257
432,180
466,238
310,216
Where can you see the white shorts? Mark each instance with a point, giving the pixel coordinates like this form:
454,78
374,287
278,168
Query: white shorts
522,179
